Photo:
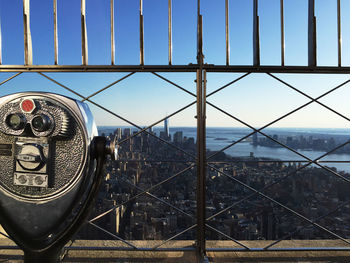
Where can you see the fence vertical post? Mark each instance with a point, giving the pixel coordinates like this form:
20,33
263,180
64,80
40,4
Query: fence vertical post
55,33
339,32
312,35
256,35
170,41
142,52
201,141
282,31
84,43
227,33
112,34
28,52
0,44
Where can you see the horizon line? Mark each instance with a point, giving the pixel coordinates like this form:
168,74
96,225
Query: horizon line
227,127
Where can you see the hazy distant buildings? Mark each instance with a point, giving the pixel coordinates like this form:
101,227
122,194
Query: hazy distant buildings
127,132
178,138
255,139
118,133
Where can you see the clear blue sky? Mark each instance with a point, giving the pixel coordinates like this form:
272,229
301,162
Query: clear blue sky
144,99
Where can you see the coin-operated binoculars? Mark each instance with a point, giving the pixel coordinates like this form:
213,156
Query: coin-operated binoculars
51,164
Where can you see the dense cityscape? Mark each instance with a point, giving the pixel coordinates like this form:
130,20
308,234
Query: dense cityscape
152,187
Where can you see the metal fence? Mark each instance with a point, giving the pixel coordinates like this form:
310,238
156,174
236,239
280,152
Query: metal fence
201,167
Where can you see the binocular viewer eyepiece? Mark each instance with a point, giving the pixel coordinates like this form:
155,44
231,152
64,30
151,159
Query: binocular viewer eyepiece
51,164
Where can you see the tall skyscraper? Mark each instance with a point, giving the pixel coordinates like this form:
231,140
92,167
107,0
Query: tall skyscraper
165,135
166,127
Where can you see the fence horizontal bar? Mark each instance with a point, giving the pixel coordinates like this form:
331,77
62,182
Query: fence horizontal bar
286,249
175,68
272,161
208,249
113,248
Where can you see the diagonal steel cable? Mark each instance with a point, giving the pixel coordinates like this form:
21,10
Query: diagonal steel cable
67,248
7,236
212,93
183,212
227,236
273,183
159,199
185,90
108,86
112,113
283,145
174,84
169,116
253,161
306,95
281,205
113,235
173,237
228,84
12,77
139,194
314,220
280,118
